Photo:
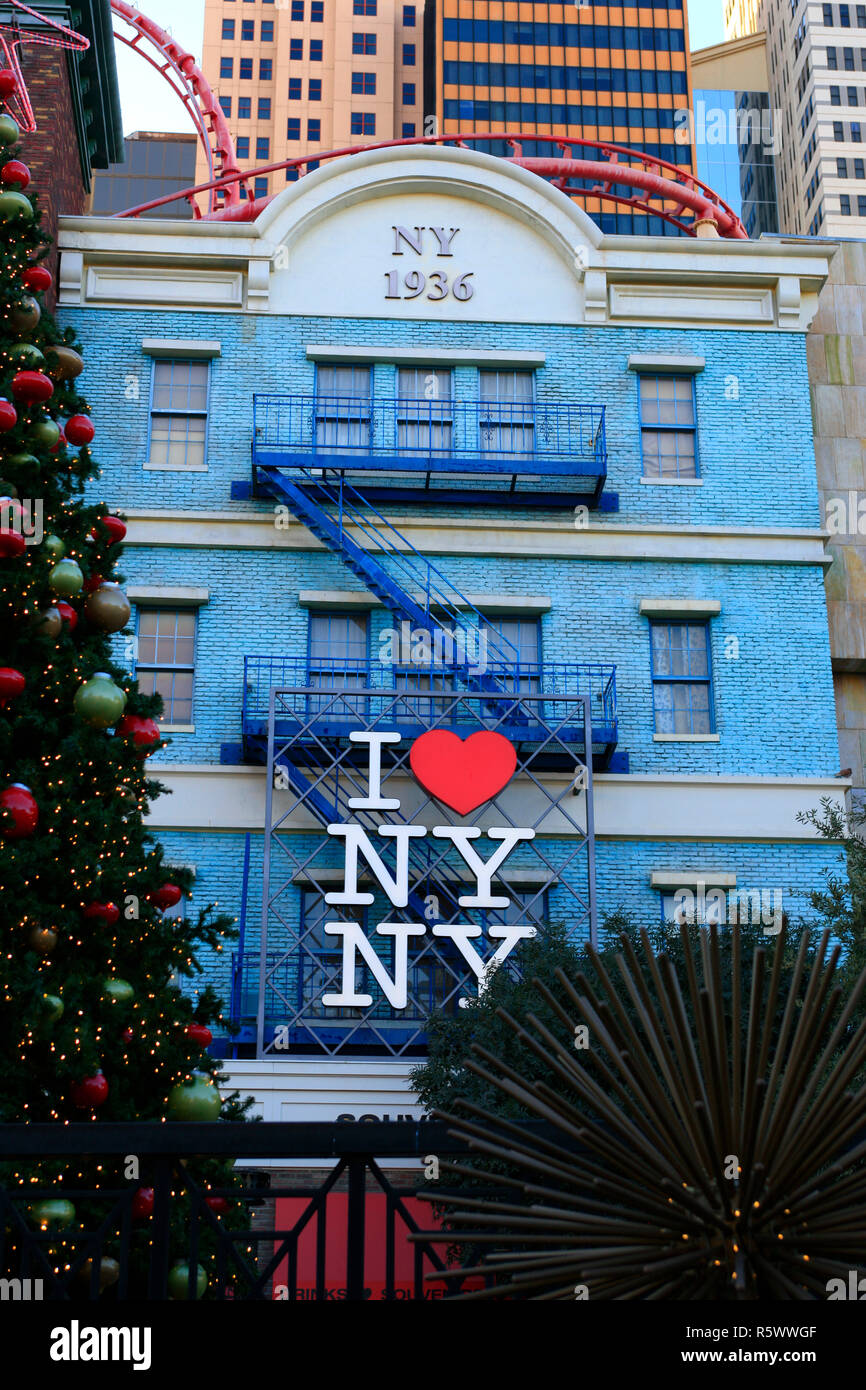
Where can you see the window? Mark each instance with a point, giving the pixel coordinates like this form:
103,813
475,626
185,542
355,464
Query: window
296,49
319,968
263,147
244,108
228,31
515,642
364,84
248,30
337,658
845,205
362,123
266,69
246,70
424,410
314,130
845,16
297,9
684,907
364,43
363,6
408,129
260,187
316,50
681,681
317,12
343,407
831,59
838,131
294,89
848,58
828,15
267,31
667,424
853,97
292,175
861,205
858,169
166,660
506,413
856,137
226,105
264,108
841,168
293,128
409,16
861,16
226,67
408,93
835,97
408,55
314,90
178,413
242,147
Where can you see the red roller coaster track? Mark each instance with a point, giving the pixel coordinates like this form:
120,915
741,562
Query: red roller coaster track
660,189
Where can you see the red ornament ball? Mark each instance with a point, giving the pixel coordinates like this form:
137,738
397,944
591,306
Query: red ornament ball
8,82
68,614
8,415
93,583
144,733
32,387
14,171
19,804
127,1035
106,914
142,1203
37,277
114,526
217,1204
79,429
12,684
198,1033
12,543
90,1093
169,895
61,443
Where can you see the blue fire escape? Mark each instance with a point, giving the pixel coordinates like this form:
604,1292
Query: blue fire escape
334,461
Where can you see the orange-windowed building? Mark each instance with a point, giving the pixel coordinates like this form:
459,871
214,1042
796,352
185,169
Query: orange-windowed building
597,72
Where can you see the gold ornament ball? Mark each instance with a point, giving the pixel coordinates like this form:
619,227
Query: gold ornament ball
43,939
107,608
49,623
64,363
25,316
109,1271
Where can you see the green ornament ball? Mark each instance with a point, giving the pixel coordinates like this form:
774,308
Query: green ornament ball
23,460
54,547
66,578
109,1272
9,131
14,207
120,991
53,1006
53,1214
99,702
7,489
197,1099
44,434
178,1281
26,355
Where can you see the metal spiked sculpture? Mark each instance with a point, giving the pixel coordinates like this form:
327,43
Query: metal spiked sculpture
691,1150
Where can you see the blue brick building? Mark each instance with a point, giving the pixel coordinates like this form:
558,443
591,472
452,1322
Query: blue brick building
422,450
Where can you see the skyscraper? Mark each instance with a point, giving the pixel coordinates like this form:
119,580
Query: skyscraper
598,72
816,65
301,76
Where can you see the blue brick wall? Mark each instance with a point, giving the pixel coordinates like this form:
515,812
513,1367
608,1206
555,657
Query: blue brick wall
755,430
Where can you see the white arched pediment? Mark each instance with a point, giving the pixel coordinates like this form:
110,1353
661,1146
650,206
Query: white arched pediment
511,245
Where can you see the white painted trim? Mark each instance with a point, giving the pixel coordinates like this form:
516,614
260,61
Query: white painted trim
324,1089
671,482
665,362
173,467
255,529
680,607
628,806
177,728
685,878
337,598
482,357
485,603
181,595
686,738
180,347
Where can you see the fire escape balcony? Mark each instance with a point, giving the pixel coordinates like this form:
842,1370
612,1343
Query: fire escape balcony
466,451
532,704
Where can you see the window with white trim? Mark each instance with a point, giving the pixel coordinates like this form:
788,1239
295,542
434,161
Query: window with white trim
178,413
165,661
668,426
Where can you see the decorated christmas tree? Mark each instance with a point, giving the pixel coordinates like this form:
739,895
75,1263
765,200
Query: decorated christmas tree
94,1023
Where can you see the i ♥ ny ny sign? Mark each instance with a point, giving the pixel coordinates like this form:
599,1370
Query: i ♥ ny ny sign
463,775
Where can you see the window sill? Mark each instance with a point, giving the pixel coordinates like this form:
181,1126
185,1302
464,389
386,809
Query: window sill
175,468
671,482
177,728
686,738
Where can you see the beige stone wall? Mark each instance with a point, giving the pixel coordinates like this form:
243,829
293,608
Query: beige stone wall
836,346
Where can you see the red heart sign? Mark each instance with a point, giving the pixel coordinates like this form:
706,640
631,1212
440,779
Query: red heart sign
461,774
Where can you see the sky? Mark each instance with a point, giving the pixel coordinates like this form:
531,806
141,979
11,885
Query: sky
147,100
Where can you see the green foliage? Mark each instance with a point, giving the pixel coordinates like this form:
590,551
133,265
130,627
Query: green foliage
93,792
